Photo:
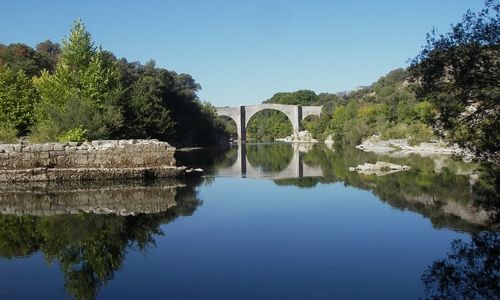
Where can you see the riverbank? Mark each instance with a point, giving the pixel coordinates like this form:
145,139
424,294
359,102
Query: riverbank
96,160
401,147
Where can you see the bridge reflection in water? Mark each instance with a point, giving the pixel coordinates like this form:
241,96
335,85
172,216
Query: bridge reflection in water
253,161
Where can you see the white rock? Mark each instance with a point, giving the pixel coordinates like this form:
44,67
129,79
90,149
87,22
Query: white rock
379,168
299,137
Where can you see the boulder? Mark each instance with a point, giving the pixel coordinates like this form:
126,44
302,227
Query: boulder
379,168
299,137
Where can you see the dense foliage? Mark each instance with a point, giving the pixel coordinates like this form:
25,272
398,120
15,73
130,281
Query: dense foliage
32,61
388,108
267,125
459,73
78,91
17,100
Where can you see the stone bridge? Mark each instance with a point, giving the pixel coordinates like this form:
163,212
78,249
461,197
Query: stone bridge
242,114
296,168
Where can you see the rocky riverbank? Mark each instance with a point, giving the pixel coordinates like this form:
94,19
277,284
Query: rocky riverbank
401,147
96,160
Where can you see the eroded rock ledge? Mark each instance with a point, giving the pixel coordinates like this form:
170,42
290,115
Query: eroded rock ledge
380,168
401,147
103,159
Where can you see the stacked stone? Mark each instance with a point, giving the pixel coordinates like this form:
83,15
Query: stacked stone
100,159
95,154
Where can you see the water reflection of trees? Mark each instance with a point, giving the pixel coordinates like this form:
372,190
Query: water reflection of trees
433,187
470,271
486,190
89,248
269,157
208,158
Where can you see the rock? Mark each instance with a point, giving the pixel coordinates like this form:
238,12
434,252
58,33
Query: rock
401,148
329,140
299,137
379,168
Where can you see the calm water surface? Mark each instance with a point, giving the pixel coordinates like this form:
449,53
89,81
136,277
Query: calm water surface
268,221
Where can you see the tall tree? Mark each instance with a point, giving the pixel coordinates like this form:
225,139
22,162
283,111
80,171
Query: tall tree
20,57
17,100
459,72
85,86
48,53
146,112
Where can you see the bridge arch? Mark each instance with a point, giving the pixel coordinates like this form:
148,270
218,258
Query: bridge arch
290,111
268,116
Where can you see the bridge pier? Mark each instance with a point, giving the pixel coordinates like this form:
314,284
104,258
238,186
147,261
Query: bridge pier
241,125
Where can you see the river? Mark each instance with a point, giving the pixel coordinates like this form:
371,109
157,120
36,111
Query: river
266,221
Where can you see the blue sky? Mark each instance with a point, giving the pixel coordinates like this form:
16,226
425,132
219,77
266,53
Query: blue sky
242,52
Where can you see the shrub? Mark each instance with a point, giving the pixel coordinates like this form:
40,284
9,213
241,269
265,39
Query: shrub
399,131
8,135
418,133
73,135
355,130
44,132
424,112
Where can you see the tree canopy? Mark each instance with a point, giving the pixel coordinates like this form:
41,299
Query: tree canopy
79,91
459,73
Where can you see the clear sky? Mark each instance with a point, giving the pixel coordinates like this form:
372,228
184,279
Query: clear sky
242,52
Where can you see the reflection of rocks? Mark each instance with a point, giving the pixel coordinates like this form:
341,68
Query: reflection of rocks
329,142
299,137
400,147
303,147
468,213
119,199
464,211
379,168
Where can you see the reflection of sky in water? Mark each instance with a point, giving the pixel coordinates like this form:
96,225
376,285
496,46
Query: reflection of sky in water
344,236
253,239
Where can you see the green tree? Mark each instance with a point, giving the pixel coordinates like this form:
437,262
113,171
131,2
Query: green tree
86,83
18,98
20,57
301,97
459,72
146,111
48,54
